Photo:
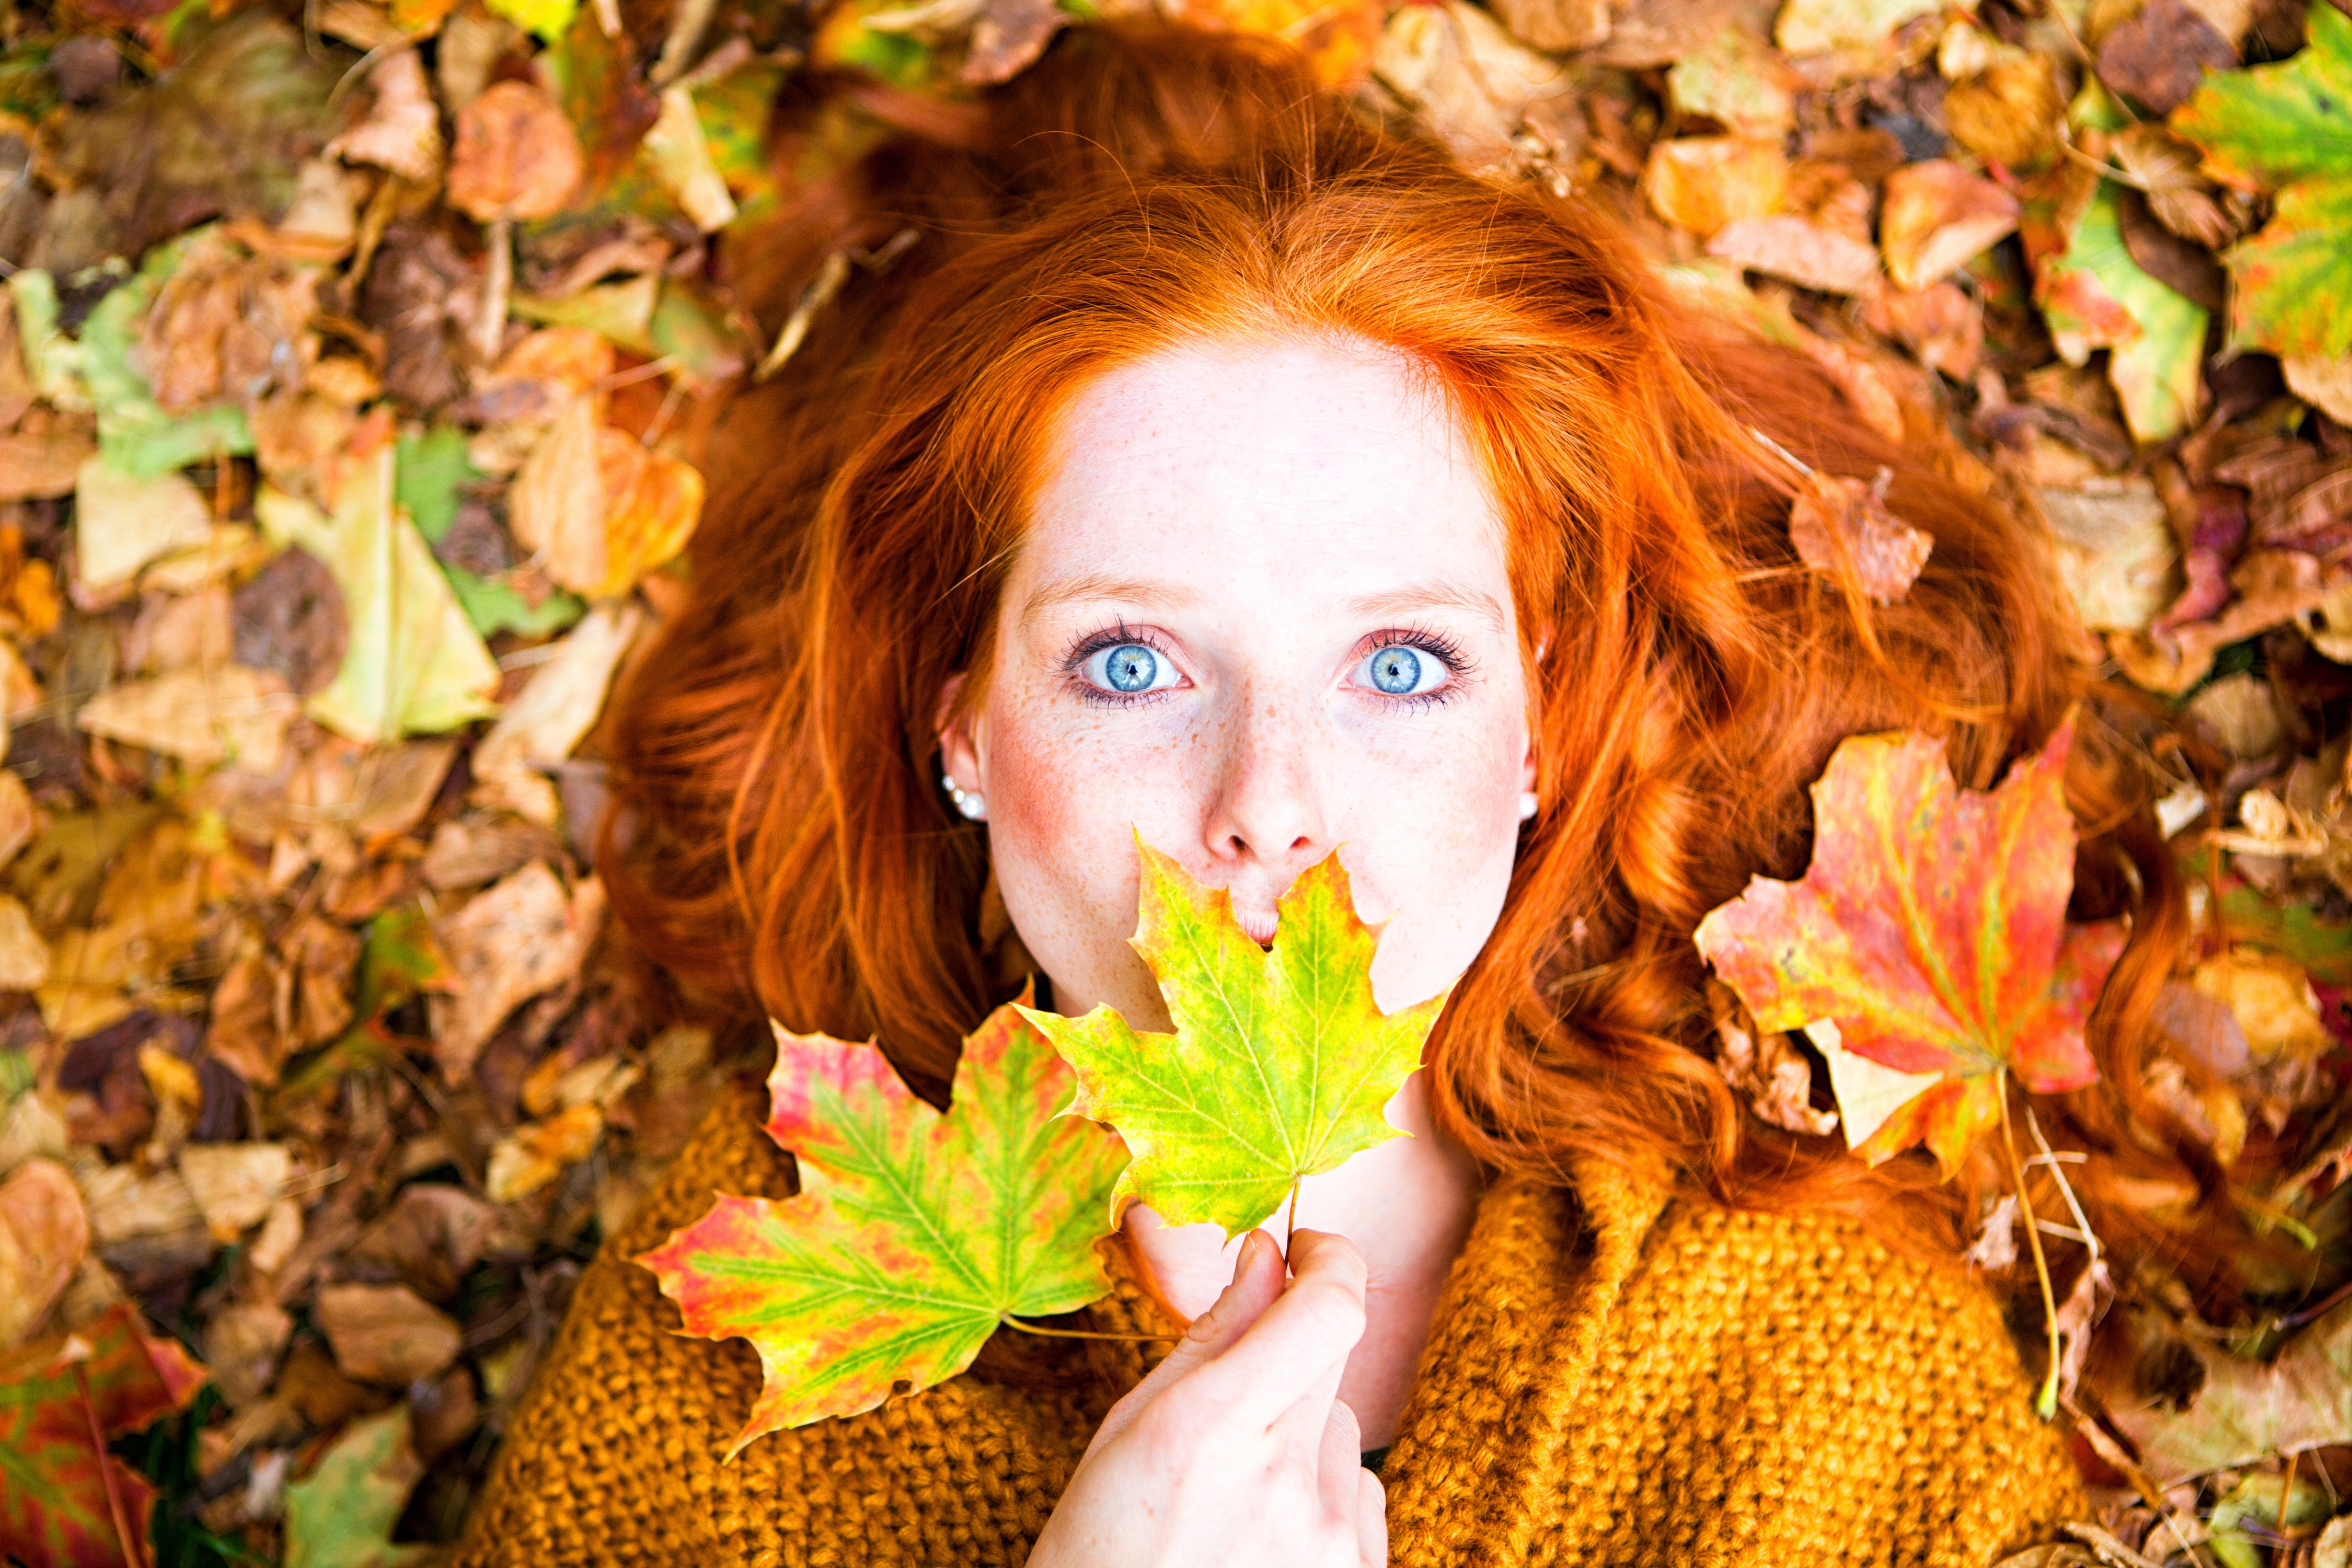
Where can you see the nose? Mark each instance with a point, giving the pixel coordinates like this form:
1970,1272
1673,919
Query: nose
1266,820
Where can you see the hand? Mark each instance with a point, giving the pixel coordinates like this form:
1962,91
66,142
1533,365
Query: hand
1237,1452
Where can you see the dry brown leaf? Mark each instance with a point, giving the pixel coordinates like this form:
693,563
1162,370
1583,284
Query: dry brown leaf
2164,167
557,506
653,502
2156,55
387,1333
2273,588
313,998
1801,252
517,155
1769,1072
541,726
2240,714
24,959
19,818
124,1205
1703,182
43,455
468,851
1937,216
2325,384
2270,997
1839,524
229,325
519,938
234,1184
205,717
1555,25
2116,550
1649,35
1469,80
431,1235
44,1235
1942,324
242,1344
1737,80
243,1032
121,524
533,1155
2009,113
402,130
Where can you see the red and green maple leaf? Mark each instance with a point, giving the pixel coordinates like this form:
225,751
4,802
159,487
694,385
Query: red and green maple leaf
916,1235
1931,928
54,1506
2286,130
1282,1062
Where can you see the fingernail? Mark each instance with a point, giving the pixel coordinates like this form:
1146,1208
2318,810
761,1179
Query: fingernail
1252,1245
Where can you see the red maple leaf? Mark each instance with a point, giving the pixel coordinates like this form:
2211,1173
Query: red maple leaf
55,1506
1931,929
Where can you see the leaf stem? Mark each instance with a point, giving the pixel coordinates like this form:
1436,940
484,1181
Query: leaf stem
130,1543
1010,1322
1290,1225
2046,1402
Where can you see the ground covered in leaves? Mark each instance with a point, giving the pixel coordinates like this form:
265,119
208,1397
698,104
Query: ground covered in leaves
351,361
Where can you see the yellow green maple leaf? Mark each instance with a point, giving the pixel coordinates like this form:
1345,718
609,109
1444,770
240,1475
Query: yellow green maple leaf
1281,1063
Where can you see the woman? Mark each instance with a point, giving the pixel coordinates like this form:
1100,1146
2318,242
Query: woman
1211,465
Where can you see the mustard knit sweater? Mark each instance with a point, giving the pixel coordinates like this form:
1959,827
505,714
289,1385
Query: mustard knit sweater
1612,1378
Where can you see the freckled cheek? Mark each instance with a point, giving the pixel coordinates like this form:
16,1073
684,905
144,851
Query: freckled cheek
1435,839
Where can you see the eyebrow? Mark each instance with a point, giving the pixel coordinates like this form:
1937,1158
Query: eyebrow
1096,585
1431,597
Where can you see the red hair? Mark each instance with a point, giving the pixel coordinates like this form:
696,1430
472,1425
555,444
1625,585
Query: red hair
788,844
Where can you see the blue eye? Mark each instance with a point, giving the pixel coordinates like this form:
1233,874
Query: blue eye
1398,670
1130,669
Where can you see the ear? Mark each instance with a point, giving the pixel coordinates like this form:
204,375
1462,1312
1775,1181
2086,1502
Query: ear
959,740
1534,704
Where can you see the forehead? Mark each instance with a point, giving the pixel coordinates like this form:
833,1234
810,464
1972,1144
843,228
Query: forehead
1308,464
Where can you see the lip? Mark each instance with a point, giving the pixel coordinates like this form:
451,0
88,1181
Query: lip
1259,928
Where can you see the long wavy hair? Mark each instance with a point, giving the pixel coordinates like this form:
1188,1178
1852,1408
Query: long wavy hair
783,843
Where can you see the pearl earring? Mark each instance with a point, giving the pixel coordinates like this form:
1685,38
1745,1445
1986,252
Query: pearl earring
967,801
1528,805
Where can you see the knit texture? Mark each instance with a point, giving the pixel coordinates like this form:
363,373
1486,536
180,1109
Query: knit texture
1610,1379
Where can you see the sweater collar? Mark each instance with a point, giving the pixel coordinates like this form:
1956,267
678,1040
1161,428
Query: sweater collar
1523,1319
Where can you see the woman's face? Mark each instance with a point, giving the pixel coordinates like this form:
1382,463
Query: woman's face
1261,613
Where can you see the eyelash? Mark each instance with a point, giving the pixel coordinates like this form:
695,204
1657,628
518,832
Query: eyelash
1444,649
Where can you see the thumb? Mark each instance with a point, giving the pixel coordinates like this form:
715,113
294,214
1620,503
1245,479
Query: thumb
1258,1277
1258,1274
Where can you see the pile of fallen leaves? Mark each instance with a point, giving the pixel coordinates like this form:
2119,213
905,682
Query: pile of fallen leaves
349,366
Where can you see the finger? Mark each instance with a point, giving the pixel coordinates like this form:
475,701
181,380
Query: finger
1258,1281
1338,1460
1371,1519
1296,1341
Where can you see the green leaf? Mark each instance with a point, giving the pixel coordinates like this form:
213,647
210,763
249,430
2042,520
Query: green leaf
134,434
915,1234
2270,126
494,605
2291,291
1281,1062
341,1515
431,468
689,329
415,664
734,112
2287,129
2093,295
431,471
550,19
54,1511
